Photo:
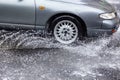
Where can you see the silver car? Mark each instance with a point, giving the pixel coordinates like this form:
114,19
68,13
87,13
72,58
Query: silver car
66,20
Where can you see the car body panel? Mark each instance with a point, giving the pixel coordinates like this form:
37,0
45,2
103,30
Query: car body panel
52,9
82,10
28,13
17,11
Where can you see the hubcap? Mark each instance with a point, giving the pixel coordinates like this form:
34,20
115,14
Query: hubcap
66,32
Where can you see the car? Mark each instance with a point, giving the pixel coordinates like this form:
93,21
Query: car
116,4
66,20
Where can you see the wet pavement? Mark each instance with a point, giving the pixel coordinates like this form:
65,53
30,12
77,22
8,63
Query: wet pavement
26,56
95,60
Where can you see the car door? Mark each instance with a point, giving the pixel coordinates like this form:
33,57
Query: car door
17,11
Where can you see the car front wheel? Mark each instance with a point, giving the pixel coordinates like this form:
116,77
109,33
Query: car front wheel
66,29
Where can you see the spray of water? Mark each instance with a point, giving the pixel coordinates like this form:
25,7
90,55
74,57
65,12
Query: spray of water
85,61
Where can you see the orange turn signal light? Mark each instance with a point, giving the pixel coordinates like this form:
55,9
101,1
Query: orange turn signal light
113,31
42,7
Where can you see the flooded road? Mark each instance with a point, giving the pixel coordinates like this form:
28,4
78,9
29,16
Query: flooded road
37,58
24,55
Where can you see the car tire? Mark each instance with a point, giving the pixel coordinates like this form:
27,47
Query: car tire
66,29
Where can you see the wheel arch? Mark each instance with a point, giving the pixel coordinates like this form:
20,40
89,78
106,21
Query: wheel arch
84,27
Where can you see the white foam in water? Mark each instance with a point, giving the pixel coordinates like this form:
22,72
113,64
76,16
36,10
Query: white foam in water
69,62
74,61
23,39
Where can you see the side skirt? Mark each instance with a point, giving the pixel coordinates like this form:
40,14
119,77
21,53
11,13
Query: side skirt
12,27
16,26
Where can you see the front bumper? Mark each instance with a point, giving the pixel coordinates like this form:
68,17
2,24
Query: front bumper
100,32
108,27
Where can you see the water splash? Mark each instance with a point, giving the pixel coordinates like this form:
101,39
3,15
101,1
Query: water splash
86,61
24,39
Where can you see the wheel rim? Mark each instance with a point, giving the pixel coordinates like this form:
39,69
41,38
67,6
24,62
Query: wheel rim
66,31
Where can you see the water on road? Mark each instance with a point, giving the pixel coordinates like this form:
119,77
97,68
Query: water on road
26,56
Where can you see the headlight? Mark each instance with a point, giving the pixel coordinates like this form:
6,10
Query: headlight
108,15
